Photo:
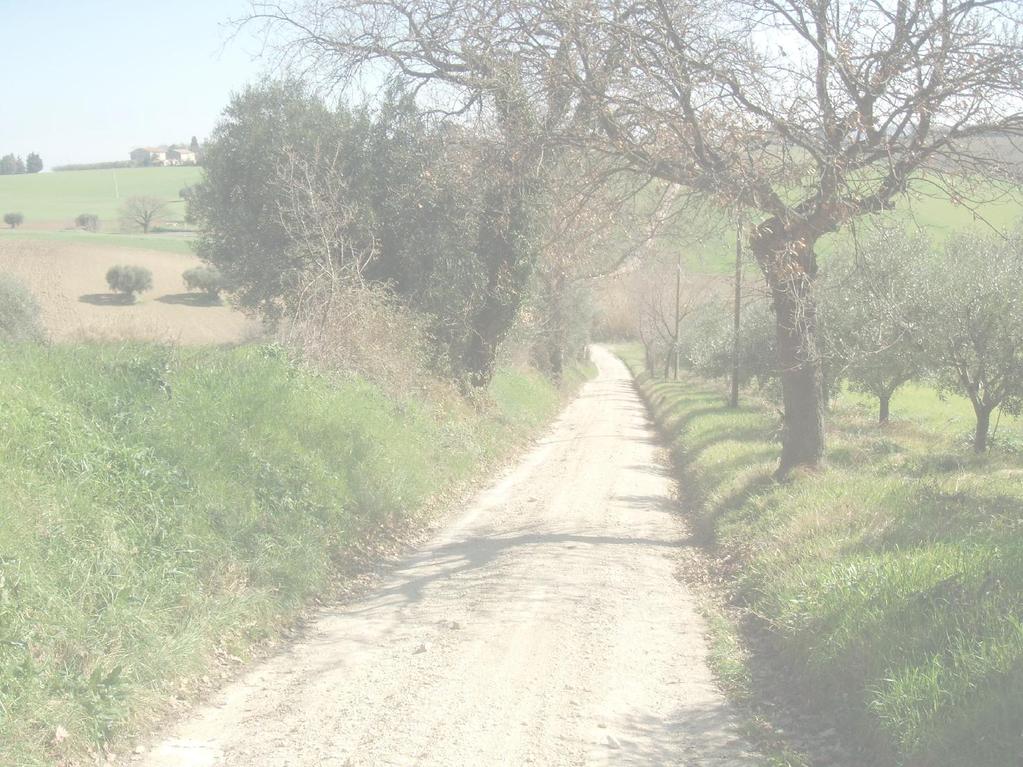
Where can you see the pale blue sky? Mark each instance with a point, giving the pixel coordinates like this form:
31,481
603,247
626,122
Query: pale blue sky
88,80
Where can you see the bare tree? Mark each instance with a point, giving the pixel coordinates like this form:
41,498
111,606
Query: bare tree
808,112
666,298
598,224
141,213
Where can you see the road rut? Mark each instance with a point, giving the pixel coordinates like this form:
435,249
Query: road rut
546,626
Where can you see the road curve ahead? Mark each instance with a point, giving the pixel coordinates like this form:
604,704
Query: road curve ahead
546,626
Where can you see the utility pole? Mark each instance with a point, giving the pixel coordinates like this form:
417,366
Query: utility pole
678,318
733,400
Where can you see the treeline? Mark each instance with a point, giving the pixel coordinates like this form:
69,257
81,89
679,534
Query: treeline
112,165
383,241
11,165
892,310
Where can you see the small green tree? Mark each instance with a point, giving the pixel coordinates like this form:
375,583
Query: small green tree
187,193
14,220
8,165
871,315
87,221
19,312
974,323
34,163
206,279
707,342
129,280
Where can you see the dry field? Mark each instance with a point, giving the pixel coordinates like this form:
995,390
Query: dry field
69,280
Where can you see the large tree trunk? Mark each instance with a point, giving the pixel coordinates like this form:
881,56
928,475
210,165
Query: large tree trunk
788,262
801,377
481,358
983,426
885,400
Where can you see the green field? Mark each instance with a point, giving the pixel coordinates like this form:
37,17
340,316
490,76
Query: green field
888,589
707,243
53,200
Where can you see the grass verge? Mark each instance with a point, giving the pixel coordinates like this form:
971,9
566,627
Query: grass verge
888,588
160,507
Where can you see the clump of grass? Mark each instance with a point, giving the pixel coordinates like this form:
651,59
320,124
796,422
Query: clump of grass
161,504
891,584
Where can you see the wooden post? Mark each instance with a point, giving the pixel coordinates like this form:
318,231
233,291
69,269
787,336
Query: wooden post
733,400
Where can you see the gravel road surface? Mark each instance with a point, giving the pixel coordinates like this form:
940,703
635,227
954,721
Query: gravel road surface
545,626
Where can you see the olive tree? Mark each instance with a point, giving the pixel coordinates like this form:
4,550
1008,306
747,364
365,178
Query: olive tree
873,314
243,205
87,221
206,279
129,280
14,220
974,323
711,347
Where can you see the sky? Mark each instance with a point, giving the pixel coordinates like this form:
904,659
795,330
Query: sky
89,80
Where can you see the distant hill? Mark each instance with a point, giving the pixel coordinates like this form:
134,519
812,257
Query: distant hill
707,246
53,200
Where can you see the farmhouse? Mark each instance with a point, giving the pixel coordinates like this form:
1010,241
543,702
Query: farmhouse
163,155
149,155
180,156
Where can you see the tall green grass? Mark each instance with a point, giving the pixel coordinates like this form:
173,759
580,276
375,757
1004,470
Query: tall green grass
890,585
161,505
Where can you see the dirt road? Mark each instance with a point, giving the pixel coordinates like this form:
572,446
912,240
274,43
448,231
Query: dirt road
546,626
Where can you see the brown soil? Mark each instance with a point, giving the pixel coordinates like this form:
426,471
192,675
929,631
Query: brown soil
69,281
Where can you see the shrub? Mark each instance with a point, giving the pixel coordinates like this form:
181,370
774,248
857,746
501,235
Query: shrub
19,312
129,280
14,220
87,221
207,279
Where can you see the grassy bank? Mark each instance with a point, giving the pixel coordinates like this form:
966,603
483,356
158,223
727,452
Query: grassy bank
162,506
889,587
